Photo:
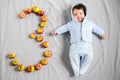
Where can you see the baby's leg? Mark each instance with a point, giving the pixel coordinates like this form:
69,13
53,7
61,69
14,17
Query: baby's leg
85,63
75,63
74,59
86,59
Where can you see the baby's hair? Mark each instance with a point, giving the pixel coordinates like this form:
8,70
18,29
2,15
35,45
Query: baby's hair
80,6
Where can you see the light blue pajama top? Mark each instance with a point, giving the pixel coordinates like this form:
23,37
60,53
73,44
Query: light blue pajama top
80,31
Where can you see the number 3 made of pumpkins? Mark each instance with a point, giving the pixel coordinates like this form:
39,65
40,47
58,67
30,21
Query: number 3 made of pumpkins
39,38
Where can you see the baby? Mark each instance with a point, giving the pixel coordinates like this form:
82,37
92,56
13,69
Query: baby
80,29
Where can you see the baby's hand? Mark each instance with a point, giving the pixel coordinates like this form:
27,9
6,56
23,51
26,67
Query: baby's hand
53,33
103,36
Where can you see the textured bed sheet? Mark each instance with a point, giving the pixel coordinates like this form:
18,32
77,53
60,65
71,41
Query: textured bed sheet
14,37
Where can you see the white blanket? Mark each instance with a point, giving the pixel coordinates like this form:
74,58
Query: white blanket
14,37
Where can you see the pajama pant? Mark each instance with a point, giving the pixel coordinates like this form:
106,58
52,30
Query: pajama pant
80,56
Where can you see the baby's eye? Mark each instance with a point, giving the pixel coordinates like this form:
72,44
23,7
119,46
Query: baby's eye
75,14
81,13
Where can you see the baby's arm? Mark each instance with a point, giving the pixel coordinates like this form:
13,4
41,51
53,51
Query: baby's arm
97,30
60,30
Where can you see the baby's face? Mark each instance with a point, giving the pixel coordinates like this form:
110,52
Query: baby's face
79,14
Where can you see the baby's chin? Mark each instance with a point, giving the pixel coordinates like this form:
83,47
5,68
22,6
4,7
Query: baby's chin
81,20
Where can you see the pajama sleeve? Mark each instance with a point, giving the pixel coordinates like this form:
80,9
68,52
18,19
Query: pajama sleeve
62,29
97,30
